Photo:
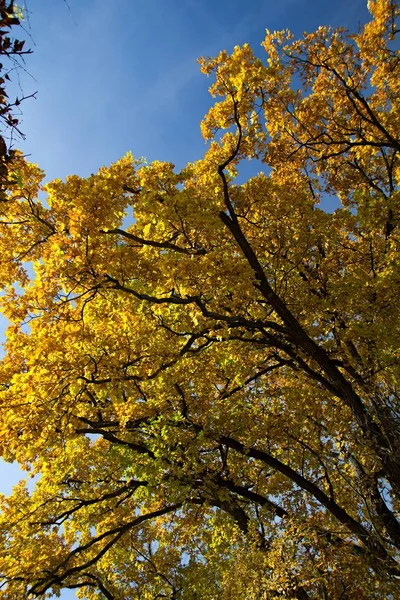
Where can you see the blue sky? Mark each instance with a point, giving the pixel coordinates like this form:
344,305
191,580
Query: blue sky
122,75
114,76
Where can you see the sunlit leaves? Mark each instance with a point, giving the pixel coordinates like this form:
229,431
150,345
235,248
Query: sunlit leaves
204,372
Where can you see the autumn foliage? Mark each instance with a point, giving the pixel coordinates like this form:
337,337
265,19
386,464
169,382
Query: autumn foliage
203,373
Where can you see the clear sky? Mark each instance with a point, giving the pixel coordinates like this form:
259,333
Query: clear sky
119,75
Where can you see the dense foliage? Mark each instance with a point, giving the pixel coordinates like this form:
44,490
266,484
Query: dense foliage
209,390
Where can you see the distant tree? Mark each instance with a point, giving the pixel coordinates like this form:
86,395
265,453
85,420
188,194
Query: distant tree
210,394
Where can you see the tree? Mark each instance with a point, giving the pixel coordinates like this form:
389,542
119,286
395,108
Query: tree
11,50
210,393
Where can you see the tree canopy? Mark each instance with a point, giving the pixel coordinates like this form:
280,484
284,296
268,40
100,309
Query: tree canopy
202,373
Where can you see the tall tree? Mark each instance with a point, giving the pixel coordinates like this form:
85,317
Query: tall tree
209,391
